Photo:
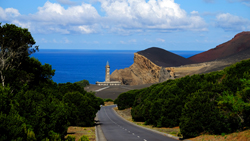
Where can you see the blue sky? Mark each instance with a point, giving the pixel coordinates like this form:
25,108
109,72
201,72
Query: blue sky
129,24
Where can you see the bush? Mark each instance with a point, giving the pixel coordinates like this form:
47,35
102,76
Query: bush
84,138
108,100
200,115
70,138
83,83
81,112
126,100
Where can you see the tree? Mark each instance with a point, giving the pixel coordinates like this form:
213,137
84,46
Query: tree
16,43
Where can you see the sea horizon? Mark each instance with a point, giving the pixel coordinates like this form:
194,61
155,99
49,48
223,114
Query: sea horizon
74,65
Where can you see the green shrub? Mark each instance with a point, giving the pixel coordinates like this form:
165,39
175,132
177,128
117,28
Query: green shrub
84,138
70,138
83,83
200,115
81,112
108,100
126,100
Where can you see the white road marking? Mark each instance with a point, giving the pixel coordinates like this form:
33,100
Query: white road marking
101,89
118,124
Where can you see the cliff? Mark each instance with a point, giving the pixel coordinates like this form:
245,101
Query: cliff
239,43
142,71
147,65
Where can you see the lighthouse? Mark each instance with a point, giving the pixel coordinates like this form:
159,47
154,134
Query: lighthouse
107,76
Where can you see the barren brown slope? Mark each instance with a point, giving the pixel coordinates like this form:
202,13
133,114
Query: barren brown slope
164,58
239,43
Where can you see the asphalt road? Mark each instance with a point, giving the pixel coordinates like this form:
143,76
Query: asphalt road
116,129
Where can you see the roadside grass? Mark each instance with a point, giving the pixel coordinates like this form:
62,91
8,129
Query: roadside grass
237,136
78,132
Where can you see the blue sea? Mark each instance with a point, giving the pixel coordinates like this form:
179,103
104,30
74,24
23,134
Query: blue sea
76,65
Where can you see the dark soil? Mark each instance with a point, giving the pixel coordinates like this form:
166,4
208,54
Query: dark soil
164,58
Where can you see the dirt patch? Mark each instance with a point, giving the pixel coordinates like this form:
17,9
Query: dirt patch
240,136
78,132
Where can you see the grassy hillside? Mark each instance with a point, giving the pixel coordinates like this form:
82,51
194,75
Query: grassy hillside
214,103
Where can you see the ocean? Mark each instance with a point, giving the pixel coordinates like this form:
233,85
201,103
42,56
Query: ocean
76,65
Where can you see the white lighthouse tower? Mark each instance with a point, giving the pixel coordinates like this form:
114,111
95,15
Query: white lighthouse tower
107,81
107,76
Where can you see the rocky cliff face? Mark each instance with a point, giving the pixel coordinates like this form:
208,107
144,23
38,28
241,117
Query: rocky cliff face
142,71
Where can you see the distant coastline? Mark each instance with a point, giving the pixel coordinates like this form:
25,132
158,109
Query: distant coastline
73,65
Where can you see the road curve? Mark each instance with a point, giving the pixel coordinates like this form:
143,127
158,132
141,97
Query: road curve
116,129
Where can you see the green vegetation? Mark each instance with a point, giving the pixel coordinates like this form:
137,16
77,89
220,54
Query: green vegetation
32,106
214,103
83,83
84,138
108,100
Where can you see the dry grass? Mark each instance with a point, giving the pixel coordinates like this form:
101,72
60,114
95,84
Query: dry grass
108,103
240,136
126,114
78,132
183,71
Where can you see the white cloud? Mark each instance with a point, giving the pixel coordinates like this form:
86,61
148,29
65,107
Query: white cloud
54,41
132,41
44,40
195,12
6,14
52,17
160,40
230,22
53,12
86,29
122,16
154,14
247,3
66,40
122,42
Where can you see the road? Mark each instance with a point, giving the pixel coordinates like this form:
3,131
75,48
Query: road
116,129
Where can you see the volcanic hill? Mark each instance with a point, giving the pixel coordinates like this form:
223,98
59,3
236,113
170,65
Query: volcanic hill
164,58
239,43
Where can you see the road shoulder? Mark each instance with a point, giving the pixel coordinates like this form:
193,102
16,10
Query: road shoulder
98,131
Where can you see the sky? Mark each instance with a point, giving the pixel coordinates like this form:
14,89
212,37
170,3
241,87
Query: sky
128,24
